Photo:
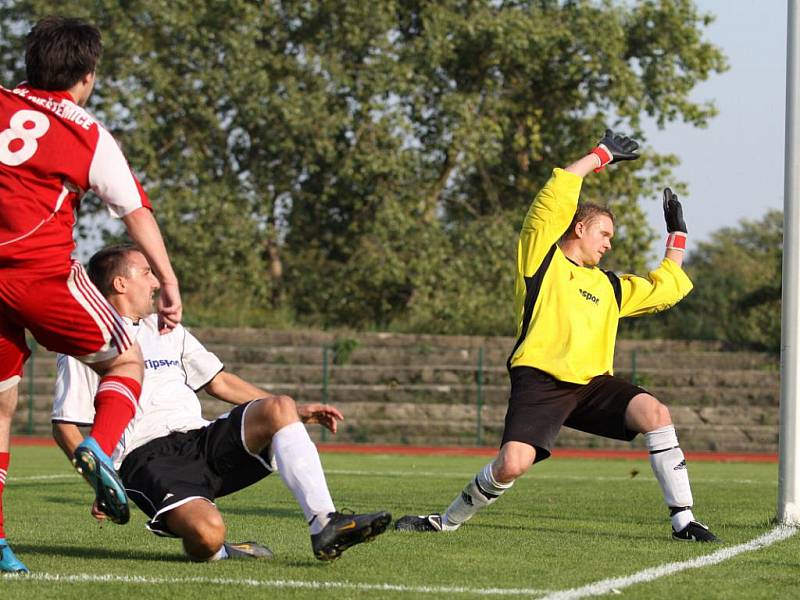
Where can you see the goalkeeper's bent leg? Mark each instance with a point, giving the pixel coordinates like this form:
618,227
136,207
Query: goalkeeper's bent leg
669,467
482,491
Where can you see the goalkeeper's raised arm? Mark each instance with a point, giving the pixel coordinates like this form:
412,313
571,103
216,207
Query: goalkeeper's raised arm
553,209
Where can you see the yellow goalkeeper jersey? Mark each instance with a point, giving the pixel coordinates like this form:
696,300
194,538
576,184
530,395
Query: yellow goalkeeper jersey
567,315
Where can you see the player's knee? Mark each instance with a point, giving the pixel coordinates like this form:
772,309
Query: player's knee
286,409
204,535
656,415
278,411
510,468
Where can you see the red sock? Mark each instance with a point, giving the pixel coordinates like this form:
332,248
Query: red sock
5,457
114,407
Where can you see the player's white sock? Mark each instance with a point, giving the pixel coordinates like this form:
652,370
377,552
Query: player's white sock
482,491
669,467
221,554
301,471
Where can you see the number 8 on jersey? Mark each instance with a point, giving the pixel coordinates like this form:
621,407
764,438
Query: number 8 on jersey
19,142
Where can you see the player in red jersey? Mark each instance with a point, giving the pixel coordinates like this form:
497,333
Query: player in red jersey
51,152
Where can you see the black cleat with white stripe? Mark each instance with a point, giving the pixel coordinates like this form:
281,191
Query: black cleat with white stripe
694,532
419,523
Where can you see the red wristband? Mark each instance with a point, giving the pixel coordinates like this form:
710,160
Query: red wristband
676,240
604,155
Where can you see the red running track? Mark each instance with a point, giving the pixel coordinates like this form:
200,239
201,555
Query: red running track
484,451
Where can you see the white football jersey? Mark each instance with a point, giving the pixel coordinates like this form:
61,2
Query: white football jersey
175,366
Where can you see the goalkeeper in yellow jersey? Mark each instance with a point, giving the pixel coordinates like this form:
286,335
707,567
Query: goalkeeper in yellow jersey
567,311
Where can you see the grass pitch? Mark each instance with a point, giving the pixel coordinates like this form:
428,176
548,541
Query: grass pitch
567,524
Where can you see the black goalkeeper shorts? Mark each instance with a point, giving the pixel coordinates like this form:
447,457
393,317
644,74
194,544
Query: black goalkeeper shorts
540,404
209,463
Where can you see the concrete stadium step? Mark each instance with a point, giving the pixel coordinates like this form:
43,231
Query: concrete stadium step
261,337
498,395
492,358
764,393
651,358
420,389
362,355
39,425
711,395
456,374
701,439
726,381
370,375
419,394
728,378
264,337
43,401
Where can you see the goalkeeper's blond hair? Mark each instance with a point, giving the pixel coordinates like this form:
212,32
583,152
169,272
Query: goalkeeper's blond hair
588,212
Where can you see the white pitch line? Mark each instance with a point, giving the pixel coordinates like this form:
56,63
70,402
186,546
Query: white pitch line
43,477
277,583
613,585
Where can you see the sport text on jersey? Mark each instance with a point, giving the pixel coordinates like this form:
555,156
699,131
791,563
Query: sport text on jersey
161,362
589,296
63,108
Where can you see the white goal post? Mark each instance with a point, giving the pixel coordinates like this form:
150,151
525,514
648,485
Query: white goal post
789,466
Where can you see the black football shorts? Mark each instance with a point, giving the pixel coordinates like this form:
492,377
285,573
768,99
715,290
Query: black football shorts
540,404
209,463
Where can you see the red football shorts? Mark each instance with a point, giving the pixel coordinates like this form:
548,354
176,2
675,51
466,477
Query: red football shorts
65,313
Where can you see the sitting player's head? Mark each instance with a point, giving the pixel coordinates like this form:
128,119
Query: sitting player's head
589,235
61,54
123,275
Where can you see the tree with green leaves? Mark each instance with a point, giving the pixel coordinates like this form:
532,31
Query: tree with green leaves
369,164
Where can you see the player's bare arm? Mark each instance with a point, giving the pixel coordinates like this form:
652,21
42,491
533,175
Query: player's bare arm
144,231
233,389
67,436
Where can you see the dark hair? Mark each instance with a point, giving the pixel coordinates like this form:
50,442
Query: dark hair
59,52
109,263
587,212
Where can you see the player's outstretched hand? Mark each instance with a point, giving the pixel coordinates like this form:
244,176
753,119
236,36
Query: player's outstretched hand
170,309
323,414
673,213
615,147
621,147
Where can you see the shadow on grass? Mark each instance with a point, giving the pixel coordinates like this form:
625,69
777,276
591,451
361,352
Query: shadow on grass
252,511
567,532
104,553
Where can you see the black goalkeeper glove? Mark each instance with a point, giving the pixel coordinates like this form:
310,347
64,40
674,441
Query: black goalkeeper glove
676,226
615,147
673,213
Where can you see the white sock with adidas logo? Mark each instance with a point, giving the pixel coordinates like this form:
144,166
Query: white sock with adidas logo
669,467
482,491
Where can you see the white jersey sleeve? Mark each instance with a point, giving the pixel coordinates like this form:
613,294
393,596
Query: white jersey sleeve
200,365
111,178
76,385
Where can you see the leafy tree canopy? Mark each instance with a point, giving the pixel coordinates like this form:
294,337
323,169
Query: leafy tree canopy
369,163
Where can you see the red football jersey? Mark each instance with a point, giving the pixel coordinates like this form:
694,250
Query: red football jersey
51,152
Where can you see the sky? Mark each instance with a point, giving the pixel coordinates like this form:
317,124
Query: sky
734,167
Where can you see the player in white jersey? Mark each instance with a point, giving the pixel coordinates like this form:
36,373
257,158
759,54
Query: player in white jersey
173,462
